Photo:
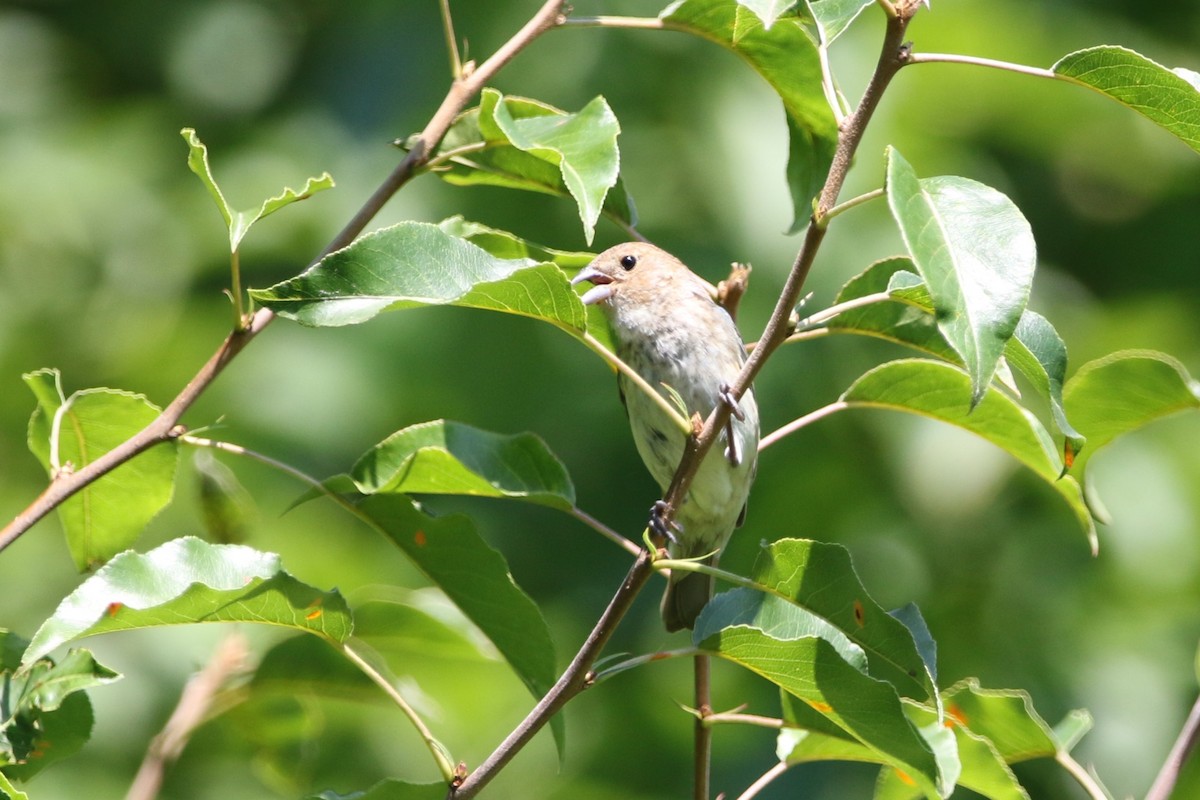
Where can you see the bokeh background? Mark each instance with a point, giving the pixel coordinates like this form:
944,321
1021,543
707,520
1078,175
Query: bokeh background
113,261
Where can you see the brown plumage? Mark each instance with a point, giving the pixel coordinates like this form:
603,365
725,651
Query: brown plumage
670,331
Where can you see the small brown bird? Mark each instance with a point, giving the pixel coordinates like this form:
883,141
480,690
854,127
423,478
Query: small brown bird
670,331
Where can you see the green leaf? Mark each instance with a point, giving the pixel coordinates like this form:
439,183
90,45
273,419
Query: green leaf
834,16
976,254
939,391
45,714
304,665
524,144
9,791
768,10
811,589
1170,98
503,244
239,222
442,457
1122,392
185,581
226,507
415,264
390,789
810,668
789,61
104,518
419,625
476,578
1035,349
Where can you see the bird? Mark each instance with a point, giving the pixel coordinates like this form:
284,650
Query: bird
668,328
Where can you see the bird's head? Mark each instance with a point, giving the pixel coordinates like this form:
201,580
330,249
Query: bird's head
629,270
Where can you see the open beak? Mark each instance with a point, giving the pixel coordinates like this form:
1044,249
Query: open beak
602,287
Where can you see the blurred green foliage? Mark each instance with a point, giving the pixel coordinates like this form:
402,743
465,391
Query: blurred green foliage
112,263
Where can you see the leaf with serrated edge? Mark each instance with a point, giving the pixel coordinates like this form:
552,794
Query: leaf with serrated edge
107,516
185,581
939,391
976,254
834,16
1169,98
445,457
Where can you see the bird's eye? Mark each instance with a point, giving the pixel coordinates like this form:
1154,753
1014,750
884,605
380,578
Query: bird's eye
628,262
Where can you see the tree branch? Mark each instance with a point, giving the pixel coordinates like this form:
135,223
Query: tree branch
166,426
1164,784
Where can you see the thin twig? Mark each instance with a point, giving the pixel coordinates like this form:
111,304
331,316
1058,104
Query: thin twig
638,661
764,781
824,315
605,531
734,718
853,202
629,372
953,58
193,709
456,66
798,423
166,426
645,23
701,731
575,679
1164,784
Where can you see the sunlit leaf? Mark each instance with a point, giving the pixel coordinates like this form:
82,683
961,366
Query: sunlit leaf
525,144
834,16
239,222
414,264
940,391
445,457
768,11
975,252
789,61
1170,98
186,581
67,433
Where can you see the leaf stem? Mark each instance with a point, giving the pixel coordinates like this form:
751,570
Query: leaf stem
456,67
824,315
1084,778
852,203
735,718
954,58
800,422
240,321
650,23
637,661
605,531
629,372
444,763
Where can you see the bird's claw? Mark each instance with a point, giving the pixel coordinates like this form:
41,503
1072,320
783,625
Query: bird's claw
661,525
725,393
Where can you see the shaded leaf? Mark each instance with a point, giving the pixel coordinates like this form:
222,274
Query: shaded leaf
443,457
414,264
788,60
1170,98
188,580
519,143
975,252
226,507
240,222
475,577
939,391
503,244
104,518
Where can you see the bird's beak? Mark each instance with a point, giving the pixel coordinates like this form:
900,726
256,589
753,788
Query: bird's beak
602,288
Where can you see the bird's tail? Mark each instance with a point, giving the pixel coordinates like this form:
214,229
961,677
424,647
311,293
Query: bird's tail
684,598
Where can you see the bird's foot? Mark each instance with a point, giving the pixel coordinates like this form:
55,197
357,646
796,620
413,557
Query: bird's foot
725,394
661,525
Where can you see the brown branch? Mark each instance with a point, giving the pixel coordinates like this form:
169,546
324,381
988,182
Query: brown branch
577,677
893,56
1164,784
193,709
702,732
166,426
